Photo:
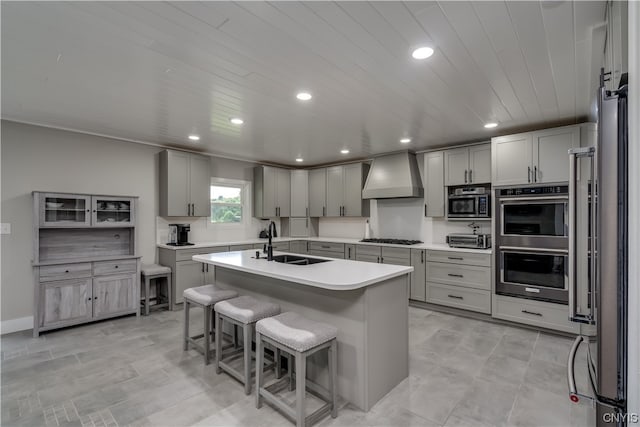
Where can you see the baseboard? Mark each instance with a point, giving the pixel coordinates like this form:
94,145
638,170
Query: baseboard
15,325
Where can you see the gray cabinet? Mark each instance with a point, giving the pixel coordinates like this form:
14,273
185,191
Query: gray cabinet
299,193
534,157
317,192
65,302
434,190
467,165
350,252
418,279
344,190
271,192
114,294
383,254
185,180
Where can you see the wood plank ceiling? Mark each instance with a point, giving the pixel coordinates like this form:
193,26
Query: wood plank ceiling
157,72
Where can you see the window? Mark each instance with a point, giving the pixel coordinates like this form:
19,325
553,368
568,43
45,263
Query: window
226,203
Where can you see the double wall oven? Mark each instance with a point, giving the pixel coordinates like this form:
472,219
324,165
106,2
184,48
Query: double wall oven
532,243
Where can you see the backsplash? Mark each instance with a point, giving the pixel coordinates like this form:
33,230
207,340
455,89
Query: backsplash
202,230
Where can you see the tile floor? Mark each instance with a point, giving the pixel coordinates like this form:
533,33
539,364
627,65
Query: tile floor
132,371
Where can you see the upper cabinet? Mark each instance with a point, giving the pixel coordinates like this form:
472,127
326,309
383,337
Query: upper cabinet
271,192
344,190
434,193
300,193
185,181
71,210
467,165
535,157
317,192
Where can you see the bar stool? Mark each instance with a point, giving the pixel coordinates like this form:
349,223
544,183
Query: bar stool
243,311
156,272
299,337
204,297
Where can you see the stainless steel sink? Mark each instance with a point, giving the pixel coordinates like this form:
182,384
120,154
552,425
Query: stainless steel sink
298,260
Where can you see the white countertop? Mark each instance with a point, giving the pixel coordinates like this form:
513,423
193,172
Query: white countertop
336,274
350,241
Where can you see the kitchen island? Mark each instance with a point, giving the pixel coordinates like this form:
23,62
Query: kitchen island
366,302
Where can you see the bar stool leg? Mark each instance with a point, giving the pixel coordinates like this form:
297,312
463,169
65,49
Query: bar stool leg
290,367
169,292
218,343
300,388
246,335
259,368
333,377
207,334
185,346
276,355
146,295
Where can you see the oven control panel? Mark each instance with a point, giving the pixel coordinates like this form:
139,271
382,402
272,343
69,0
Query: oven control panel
523,191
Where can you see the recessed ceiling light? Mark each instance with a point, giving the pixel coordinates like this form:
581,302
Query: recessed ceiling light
422,52
405,140
345,151
299,159
194,137
236,120
304,96
490,125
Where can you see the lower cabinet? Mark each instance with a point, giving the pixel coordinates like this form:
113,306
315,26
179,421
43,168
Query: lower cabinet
459,279
298,247
188,274
418,279
108,288
326,249
535,313
350,252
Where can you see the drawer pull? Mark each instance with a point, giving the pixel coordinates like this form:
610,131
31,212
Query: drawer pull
456,258
116,266
325,247
66,271
455,297
455,275
532,313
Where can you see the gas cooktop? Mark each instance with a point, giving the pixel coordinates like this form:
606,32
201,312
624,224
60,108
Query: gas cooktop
392,241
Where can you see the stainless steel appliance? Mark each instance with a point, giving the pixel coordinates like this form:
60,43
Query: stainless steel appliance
532,244
392,241
181,233
474,241
469,203
598,259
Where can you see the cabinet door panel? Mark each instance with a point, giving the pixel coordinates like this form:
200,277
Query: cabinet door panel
64,210
418,289
335,190
511,159
455,166
352,190
65,301
200,184
434,183
480,164
350,252
269,192
317,192
114,294
550,158
299,193
188,275
178,196
283,189
112,211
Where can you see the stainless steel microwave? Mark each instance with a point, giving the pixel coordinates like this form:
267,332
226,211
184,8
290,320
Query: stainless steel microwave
467,203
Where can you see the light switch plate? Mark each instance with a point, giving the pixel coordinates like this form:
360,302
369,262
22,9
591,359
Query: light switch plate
5,228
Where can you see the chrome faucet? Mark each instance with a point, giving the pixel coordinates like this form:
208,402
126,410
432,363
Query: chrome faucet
271,233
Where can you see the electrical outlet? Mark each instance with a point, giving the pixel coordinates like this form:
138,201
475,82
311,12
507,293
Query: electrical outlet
5,228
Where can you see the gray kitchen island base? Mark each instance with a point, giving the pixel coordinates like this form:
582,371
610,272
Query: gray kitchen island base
373,340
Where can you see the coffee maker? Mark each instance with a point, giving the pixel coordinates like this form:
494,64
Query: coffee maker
179,235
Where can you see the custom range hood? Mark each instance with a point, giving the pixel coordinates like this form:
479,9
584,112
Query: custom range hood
393,176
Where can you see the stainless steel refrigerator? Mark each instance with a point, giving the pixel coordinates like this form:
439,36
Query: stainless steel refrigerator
598,261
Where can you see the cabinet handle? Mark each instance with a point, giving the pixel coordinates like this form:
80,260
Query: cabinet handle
455,297
470,175
349,256
95,298
378,260
203,268
421,257
115,266
456,258
535,174
532,313
425,209
528,173
66,271
325,247
207,267
455,275
381,260
323,210
306,211
88,210
94,210
307,222
89,299
465,176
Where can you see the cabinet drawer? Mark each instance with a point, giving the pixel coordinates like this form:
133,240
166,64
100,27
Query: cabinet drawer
328,254
114,267
368,250
367,258
455,296
327,246
462,275
536,313
186,254
240,247
65,271
281,246
397,261
390,252
468,258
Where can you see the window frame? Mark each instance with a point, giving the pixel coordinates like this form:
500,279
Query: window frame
244,187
